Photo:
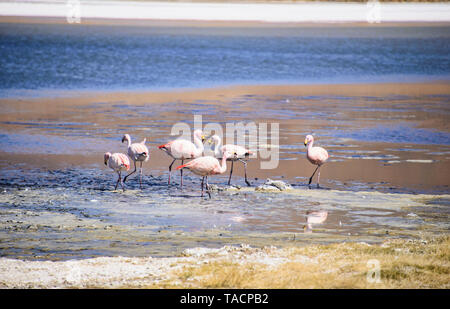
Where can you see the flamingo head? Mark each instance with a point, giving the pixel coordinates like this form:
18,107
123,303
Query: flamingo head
126,137
106,157
213,139
308,139
307,228
229,154
199,134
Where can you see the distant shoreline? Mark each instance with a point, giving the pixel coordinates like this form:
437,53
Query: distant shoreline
266,12
439,85
204,23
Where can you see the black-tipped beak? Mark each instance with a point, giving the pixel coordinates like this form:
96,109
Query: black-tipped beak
123,139
105,163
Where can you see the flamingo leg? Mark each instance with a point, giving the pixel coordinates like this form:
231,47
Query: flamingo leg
170,169
125,179
203,180
117,183
140,175
181,172
310,179
121,183
207,187
318,177
231,172
245,172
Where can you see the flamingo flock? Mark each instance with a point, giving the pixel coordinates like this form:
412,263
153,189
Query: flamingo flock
204,166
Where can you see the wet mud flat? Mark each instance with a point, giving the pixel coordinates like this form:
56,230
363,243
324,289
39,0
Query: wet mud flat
70,236
79,233
71,214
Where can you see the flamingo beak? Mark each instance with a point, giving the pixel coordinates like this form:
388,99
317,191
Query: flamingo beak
208,139
306,142
105,162
123,139
203,138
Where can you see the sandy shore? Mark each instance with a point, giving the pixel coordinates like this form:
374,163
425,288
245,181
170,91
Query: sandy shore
215,24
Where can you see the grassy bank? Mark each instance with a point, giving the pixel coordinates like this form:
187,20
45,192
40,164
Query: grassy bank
403,264
418,263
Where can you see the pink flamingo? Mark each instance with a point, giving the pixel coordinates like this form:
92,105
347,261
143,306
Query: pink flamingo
240,151
314,217
137,152
315,155
207,166
118,162
181,149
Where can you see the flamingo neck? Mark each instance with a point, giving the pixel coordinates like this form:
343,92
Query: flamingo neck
217,145
129,141
198,144
223,166
310,145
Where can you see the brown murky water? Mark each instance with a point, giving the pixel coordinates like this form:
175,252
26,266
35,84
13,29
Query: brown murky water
387,176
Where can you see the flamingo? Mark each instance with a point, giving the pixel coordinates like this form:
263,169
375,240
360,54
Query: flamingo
181,149
207,166
240,151
137,152
118,162
315,155
314,217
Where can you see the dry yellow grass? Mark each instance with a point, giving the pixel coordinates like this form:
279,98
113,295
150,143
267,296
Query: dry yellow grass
403,264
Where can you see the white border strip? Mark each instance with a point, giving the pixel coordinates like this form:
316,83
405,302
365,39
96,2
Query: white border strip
266,12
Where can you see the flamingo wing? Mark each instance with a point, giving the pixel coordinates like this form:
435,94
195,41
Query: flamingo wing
202,166
119,161
241,152
183,149
138,152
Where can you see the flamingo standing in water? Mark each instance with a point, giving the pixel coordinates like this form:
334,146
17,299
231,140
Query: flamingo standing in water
181,149
137,152
207,166
240,151
315,155
118,162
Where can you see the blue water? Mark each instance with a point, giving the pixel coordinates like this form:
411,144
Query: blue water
398,133
86,57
